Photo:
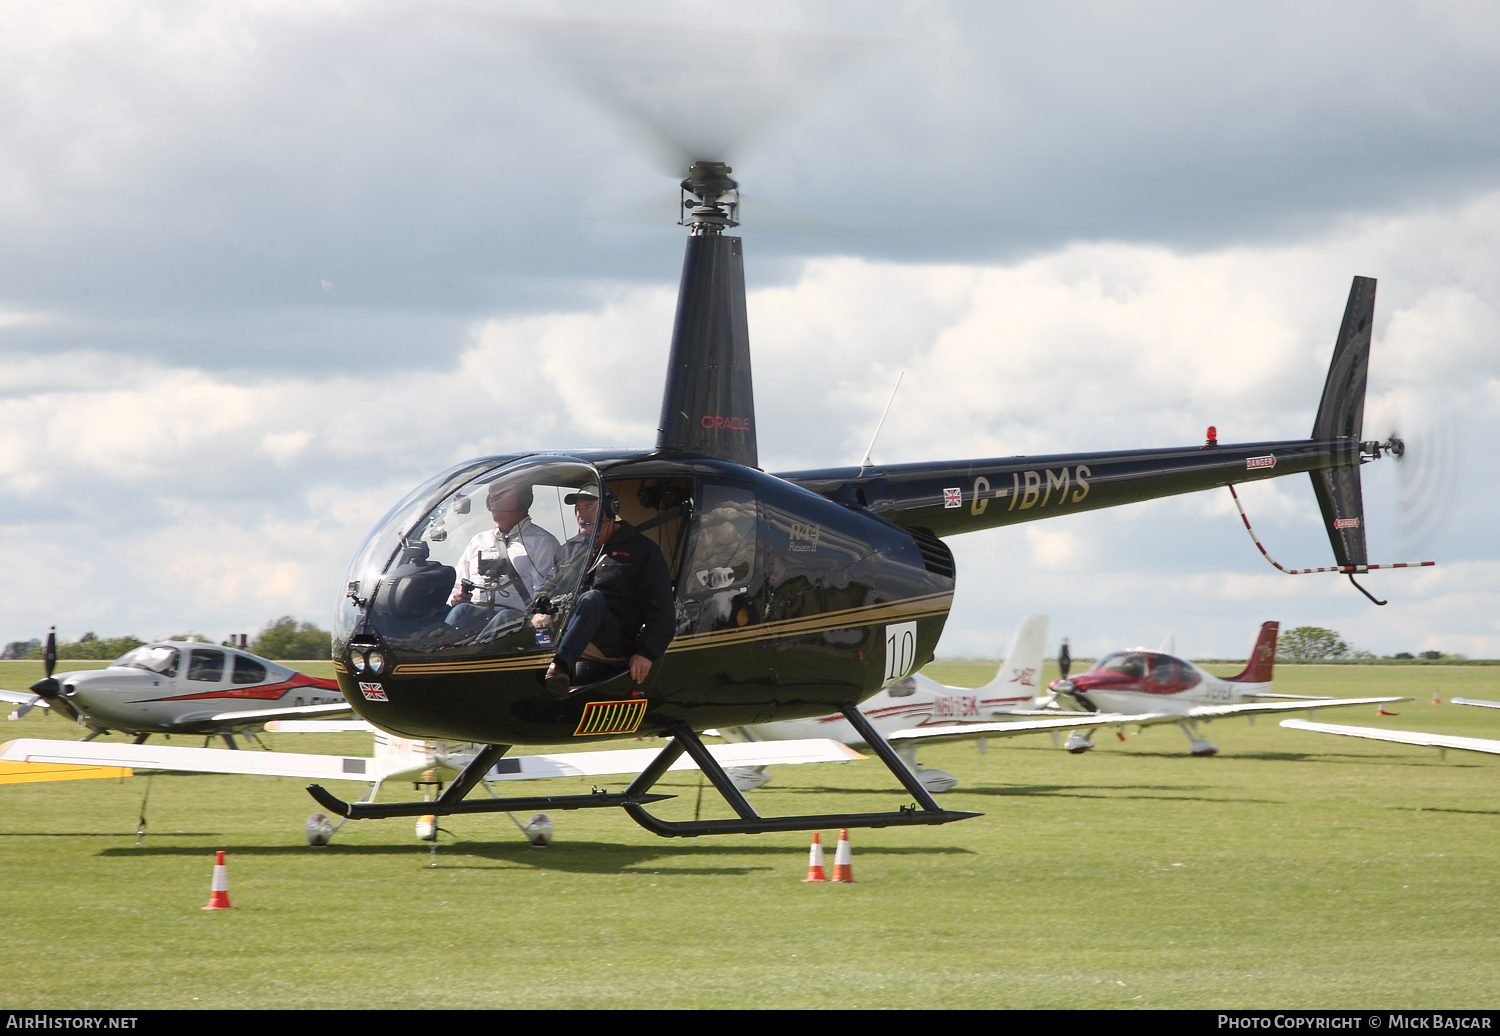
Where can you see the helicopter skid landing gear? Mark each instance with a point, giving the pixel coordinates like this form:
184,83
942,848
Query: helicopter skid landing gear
926,811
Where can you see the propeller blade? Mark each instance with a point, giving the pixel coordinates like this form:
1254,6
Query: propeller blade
25,708
49,656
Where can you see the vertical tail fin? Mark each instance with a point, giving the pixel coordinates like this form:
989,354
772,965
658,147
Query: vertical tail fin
1022,668
1341,415
1262,656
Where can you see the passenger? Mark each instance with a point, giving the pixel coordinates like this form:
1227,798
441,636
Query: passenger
626,606
503,566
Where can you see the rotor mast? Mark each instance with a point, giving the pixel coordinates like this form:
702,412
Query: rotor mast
708,404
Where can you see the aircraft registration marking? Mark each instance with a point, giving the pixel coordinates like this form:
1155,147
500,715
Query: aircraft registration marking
955,706
611,717
1029,489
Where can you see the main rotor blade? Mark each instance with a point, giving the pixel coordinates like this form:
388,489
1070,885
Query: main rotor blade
690,92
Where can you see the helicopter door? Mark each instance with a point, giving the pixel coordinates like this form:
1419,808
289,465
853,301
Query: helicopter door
719,586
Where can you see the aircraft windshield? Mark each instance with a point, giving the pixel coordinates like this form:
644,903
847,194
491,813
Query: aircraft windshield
466,568
161,660
1131,663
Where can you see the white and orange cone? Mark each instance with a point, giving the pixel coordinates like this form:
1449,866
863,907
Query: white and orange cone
815,860
843,859
1435,699
1380,711
218,897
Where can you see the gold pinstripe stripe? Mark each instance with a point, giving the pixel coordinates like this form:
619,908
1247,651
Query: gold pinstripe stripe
911,608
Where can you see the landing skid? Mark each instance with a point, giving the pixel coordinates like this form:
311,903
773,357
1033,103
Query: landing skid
633,799
750,822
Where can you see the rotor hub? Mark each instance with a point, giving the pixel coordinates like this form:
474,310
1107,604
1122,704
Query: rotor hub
710,198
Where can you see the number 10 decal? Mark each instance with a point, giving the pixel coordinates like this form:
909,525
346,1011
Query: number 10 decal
900,651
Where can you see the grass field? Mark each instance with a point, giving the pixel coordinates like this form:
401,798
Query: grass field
1292,870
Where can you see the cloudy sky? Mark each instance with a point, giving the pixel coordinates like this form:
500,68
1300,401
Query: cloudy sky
268,265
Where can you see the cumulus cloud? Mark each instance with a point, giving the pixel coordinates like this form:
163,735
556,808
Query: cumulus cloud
212,501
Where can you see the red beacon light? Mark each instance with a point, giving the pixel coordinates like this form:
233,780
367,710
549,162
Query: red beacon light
1211,438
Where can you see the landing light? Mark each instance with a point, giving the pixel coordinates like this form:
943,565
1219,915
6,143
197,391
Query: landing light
357,660
376,660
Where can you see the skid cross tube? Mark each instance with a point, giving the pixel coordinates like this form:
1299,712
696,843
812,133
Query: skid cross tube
751,823
450,801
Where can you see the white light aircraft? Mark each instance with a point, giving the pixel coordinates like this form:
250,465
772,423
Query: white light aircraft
921,702
1442,742
1143,688
179,687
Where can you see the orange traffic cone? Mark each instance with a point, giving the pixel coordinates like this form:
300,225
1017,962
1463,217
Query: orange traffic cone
1380,711
843,859
815,860
1435,699
218,898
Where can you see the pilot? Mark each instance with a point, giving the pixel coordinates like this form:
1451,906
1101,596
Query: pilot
573,554
503,566
626,606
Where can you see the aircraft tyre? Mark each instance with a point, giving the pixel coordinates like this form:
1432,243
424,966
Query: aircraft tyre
1204,748
748,778
319,829
936,781
1078,743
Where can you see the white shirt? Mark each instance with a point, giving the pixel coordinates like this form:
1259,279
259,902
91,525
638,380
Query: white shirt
532,550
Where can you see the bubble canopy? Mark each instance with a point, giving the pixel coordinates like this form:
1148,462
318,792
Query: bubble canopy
462,563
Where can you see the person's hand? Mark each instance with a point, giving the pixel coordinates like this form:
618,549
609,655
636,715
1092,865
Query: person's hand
541,620
460,596
640,665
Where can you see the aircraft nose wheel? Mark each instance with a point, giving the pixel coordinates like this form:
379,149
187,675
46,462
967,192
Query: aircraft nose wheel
1204,748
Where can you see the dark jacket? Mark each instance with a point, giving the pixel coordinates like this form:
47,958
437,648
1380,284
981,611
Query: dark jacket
632,575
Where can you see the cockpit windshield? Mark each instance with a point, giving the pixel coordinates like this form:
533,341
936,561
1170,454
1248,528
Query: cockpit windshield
1131,663
466,568
157,659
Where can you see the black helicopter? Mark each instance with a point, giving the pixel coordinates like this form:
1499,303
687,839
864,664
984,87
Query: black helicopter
797,594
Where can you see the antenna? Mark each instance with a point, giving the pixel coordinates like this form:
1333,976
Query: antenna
867,463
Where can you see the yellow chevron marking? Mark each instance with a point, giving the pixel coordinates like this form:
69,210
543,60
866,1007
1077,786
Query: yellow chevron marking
611,717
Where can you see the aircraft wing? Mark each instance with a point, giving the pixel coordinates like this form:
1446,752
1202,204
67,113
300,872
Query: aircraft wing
971,731
1476,701
259,715
21,698
1253,708
1405,737
204,760
634,760
319,726
370,770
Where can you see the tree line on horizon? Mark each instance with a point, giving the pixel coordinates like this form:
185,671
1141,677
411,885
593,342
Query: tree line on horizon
283,638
